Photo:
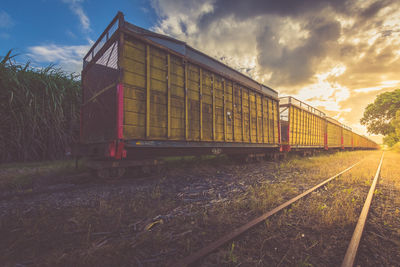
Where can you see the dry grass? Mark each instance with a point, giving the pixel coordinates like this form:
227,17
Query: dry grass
382,234
310,232
22,176
315,231
124,229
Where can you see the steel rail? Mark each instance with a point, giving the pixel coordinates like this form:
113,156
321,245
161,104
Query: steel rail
351,252
238,231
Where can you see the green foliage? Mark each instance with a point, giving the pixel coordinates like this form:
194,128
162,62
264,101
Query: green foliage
391,139
378,115
394,137
39,111
396,147
396,123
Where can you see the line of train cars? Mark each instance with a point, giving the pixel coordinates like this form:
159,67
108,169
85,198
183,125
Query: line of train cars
305,127
147,96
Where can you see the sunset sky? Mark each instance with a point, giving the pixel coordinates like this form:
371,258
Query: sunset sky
336,55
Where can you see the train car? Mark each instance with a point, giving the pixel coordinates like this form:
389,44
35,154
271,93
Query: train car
365,143
305,127
356,141
362,142
347,140
146,95
302,126
333,133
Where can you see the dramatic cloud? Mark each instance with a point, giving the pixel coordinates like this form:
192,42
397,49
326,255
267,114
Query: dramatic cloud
77,9
68,57
334,54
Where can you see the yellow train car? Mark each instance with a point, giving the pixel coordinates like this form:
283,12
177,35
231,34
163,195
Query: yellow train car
362,142
356,140
347,137
333,133
302,126
148,95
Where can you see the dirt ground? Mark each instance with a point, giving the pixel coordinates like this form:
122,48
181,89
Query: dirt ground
155,220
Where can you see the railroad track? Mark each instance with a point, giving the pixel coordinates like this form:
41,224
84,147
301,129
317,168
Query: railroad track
353,245
351,252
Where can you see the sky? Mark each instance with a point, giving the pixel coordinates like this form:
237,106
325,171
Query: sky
336,55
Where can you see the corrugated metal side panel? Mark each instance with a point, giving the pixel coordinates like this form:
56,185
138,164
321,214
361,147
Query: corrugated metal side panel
252,116
166,98
293,126
158,94
306,129
334,133
356,140
237,98
346,138
177,102
361,142
276,121
364,142
259,115
134,80
225,70
229,110
207,101
219,108
246,120
264,103
194,102
270,121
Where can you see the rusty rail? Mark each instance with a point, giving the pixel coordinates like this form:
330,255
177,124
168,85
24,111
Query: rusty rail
238,231
351,252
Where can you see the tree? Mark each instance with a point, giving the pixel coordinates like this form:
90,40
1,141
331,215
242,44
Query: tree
391,139
379,115
396,123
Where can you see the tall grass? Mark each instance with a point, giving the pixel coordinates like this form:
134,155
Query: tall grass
39,111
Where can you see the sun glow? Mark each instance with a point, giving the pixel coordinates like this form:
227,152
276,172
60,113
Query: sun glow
325,93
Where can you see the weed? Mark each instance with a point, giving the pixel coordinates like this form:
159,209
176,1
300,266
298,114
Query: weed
156,192
232,257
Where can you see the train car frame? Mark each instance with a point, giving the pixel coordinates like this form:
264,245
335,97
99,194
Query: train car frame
146,96
304,127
